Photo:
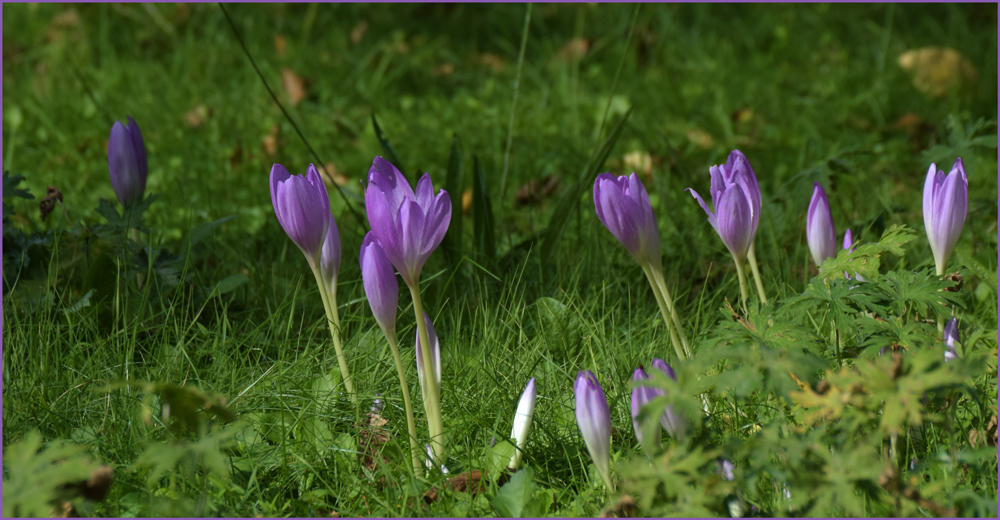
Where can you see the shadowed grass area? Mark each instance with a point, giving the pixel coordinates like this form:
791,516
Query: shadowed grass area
810,93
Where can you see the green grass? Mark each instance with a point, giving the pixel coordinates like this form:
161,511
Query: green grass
807,92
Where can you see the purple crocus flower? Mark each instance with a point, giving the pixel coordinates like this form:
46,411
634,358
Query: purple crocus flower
380,285
641,395
623,206
522,422
675,423
435,355
946,204
950,337
593,417
737,202
303,209
820,232
329,260
127,162
410,225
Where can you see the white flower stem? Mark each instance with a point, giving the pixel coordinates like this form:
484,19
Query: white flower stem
333,320
411,425
752,257
432,394
742,275
674,315
674,340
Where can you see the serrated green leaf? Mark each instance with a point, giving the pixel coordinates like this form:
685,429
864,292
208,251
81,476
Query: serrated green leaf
512,501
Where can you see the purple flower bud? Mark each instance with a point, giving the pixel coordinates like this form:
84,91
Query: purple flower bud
127,162
410,225
329,262
623,206
820,232
849,240
435,355
950,337
726,468
303,209
380,284
522,422
377,404
737,202
946,204
593,417
675,423
641,395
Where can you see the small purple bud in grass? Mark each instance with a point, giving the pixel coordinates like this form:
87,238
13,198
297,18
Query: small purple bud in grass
435,355
950,337
849,244
623,207
726,468
946,204
127,162
377,404
593,417
522,422
820,232
737,202
303,209
430,460
410,225
329,262
641,395
675,423
380,284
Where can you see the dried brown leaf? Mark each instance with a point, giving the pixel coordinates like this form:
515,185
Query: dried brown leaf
280,45
294,86
359,31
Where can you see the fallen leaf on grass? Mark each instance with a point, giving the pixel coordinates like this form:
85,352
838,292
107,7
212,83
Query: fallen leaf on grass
196,116
294,86
280,45
700,138
639,162
492,61
444,69
270,141
535,191
359,31
938,70
574,49
466,201
331,175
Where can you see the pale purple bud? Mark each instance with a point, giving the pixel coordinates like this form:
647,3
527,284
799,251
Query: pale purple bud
127,162
820,232
377,404
946,204
329,262
380,284
302,207
623,207
435,355
410,225
674,422
641,395
593,417
950,338
522,422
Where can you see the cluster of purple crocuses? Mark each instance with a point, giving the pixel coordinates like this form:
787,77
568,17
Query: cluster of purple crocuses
407,225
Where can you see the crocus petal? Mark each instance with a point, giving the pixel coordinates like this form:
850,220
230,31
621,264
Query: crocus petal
673,421
848,239
593,417
279,174
387,179
933,180
615,212
303,214
410,230
711,216
641,395
950,338
735,221
522,422
425,192
820,232
436,221
380,284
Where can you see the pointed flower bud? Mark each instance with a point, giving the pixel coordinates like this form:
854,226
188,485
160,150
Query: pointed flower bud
737,201
950,338
641,395
127,162
410,225
303,209
593,417
329,261
623,206
522,422
675,422
380,285
848,240
946,204
820,232
435,355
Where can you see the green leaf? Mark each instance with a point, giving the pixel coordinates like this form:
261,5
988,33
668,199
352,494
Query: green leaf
512,501
559,327
387,148
199,232
33,476
864,260
498,458
453,185
230,283
570,199
482,214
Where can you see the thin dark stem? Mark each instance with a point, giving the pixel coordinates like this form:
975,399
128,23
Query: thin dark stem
319,162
